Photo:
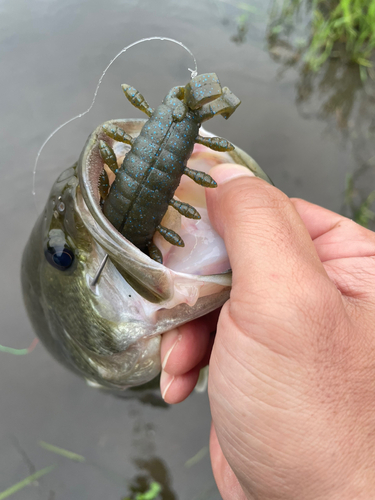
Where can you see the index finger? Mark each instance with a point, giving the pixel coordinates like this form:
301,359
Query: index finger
335,236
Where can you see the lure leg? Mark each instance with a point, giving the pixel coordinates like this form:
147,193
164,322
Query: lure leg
170,236
215,143
117,133
155,253
137,99
185,209
103,186
200,178
108,156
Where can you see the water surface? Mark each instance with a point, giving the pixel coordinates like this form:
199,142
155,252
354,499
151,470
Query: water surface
52,54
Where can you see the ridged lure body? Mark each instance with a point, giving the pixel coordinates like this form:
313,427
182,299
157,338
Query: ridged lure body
151,171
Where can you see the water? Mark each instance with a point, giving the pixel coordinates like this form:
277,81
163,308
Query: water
52,54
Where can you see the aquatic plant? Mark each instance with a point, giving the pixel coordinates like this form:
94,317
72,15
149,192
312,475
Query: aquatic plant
244,16
25,482
359,206
338,33
337,28
151,494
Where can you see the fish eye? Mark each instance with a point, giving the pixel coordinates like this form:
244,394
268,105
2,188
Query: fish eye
60,257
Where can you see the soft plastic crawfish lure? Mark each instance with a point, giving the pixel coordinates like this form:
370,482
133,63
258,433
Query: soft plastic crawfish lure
151,171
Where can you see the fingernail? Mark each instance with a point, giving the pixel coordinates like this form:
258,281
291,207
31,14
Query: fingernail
228,171
166,381
170,339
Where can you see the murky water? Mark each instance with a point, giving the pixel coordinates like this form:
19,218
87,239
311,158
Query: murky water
307,135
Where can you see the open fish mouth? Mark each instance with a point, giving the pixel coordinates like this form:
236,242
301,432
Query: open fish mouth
108,329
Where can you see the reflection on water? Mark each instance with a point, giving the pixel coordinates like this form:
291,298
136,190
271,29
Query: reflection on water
152,470
359,198
339,95
148,394
151,398
241,17
152,476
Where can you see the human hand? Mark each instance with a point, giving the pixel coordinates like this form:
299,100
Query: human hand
292,367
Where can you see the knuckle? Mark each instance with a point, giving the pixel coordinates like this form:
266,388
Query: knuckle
255,196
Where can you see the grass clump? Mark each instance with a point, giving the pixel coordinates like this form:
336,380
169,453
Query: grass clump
359,206
337,28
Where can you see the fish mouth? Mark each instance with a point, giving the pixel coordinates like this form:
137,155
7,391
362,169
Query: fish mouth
163,296
90,167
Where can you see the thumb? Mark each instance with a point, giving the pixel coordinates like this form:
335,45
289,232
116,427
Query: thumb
270,250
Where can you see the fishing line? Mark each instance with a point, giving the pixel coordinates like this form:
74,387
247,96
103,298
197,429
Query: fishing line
193,72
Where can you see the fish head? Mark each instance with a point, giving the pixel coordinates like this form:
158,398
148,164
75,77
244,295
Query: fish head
108,329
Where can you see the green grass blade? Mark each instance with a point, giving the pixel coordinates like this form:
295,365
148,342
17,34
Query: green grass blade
197,457
16,487
60,451
19,352
11,350
343,28
151,494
